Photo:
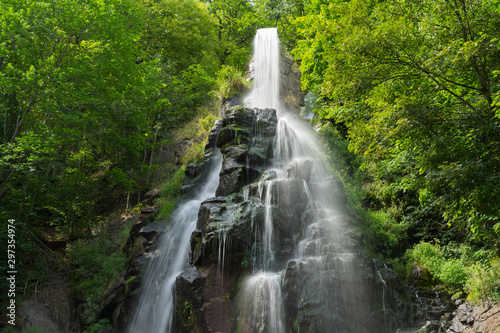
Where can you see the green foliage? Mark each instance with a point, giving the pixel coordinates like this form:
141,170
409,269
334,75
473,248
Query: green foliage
197,131
281,14
35,330
89,90
229,81
475,270
484,282
102,324
170,192
414,85
74,103
94,264
182,33
235,22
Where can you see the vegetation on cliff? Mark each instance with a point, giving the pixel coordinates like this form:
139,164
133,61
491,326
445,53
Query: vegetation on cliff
413,87
90,91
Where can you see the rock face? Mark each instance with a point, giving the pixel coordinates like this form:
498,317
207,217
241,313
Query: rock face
51,308
228,244
290,88
245,140
119,297
290,91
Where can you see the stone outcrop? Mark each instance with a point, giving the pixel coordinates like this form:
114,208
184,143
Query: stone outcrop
119,297
290,91
483,318
245,140
228,244
51,308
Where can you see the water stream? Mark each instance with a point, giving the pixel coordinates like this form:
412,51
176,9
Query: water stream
317,263
154,310
319,247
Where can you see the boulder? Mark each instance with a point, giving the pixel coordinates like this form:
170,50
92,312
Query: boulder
245,140
189,301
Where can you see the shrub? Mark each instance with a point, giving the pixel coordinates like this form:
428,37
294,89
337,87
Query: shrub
100,326
230,81
427,255
169,192
483,282
95,263
452,272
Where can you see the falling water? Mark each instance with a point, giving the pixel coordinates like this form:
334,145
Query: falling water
317,267
265,66
155,307
319,249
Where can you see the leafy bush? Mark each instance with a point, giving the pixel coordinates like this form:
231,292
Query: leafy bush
477,271
95,263
230,81
483,281
427,255
35,330
169,192
101,325
452,272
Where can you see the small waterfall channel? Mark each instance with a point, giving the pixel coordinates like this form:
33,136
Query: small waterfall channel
270,243
154,310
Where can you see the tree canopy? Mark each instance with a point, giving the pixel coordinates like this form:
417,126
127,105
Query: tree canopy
416,84
90,89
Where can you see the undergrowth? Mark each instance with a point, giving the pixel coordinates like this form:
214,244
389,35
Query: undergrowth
229,81
461,267
95,263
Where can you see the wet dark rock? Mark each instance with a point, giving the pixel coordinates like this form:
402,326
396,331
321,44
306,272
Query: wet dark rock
192,170
208,209
212,137
300,169
189,301
345,310
246,142
151,231
234,100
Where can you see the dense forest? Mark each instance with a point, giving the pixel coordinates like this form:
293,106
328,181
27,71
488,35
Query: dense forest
406,95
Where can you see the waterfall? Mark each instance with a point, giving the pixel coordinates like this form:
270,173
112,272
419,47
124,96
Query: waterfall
320,253
265,66
154,310
274,248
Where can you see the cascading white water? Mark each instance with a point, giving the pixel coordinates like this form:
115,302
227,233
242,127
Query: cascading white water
314,242
154,311
296,156
266,86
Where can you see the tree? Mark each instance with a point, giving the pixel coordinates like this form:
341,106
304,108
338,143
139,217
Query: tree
236,23
74,103
415,82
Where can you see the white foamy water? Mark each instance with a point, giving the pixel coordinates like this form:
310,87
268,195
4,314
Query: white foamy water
266,84
154,310
296,155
